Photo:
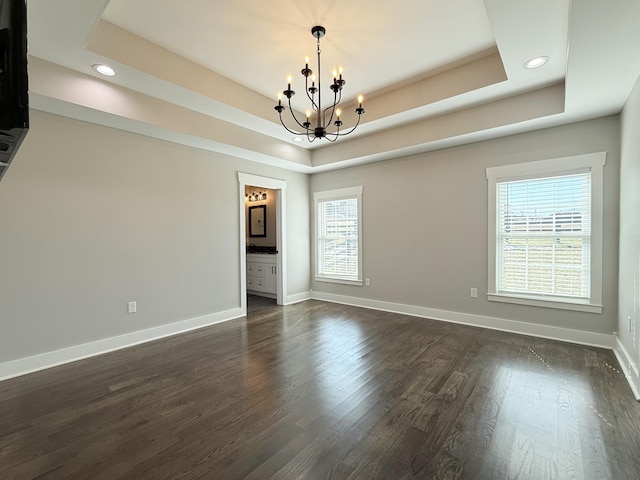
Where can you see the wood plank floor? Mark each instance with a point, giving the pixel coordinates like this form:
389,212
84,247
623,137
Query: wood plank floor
256,302
323,391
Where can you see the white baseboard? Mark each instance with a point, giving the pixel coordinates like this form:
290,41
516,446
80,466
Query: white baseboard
22,366
512,326
629,367
297,298
46,360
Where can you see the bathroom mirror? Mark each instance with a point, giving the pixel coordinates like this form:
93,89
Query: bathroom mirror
258,221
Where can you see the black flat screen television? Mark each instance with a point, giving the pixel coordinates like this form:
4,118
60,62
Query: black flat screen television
14,85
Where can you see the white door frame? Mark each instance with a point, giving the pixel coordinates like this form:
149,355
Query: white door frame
280,186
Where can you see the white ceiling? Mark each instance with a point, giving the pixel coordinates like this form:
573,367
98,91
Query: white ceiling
434,73
259,47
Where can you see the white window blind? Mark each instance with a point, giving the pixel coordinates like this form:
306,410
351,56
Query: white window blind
338,242
543,236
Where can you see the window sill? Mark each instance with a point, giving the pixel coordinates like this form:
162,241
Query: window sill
342,281
559,304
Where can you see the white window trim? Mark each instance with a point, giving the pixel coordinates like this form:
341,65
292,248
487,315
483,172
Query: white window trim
594,162
341,193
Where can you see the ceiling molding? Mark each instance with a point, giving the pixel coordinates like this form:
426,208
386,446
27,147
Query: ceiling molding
482,94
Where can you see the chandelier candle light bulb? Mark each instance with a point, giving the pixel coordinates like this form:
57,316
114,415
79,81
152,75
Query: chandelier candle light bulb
321,113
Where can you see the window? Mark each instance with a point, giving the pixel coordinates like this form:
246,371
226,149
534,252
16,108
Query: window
545,233
339,235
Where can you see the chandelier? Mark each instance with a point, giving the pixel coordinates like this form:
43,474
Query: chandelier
324,117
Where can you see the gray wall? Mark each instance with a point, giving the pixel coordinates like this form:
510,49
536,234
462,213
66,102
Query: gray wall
92,217
629,290
425,224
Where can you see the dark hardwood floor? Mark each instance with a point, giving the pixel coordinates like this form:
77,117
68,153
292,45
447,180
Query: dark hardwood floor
323,391
255,303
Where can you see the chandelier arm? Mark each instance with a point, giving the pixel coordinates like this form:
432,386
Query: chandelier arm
335,135
288,129
296,118
338,134
313,103
328,124
310,97
336,101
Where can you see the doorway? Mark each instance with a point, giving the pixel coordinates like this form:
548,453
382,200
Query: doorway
277,188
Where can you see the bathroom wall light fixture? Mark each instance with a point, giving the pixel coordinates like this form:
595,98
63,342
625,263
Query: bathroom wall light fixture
255,197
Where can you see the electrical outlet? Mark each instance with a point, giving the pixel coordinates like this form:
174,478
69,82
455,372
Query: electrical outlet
132,307
474,293
367,282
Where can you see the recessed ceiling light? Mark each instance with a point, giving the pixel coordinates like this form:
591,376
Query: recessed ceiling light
536,62
297,139
105,70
